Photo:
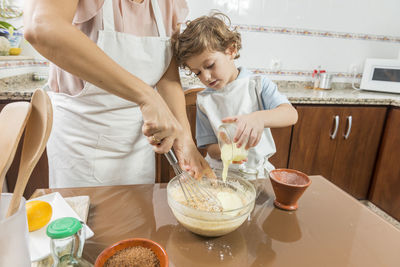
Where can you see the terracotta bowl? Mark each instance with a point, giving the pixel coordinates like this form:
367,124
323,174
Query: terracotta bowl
288,187
133,242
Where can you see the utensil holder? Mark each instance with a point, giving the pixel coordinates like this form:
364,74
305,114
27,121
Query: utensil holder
325,81
14,238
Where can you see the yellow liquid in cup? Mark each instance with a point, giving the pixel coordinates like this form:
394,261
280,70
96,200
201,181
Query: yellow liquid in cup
229,153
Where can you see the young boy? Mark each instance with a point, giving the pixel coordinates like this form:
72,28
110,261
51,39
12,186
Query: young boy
208,48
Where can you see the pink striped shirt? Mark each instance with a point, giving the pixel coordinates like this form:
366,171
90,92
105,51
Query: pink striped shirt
130,17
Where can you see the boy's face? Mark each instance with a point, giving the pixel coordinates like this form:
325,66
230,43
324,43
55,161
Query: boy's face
214,69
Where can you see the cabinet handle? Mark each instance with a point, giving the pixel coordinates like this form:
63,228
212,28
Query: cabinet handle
333,135
349,123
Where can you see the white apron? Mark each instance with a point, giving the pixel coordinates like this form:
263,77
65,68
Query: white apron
242,96
97,137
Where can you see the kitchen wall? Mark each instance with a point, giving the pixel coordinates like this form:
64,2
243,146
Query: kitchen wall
287,39
29,61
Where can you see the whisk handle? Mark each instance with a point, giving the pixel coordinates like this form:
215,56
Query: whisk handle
171,157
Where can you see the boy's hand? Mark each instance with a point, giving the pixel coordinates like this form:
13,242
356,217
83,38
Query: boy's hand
249,128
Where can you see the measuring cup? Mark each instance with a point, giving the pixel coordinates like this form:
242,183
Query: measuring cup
229,150
230,153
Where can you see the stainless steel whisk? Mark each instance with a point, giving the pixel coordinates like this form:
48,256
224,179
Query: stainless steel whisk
196,195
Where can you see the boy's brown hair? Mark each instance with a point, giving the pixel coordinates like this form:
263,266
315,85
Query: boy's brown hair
209,33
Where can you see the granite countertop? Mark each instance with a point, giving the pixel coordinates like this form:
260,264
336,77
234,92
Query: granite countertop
21,88
344,96
300,92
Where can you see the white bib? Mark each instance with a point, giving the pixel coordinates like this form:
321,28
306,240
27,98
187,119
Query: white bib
242,96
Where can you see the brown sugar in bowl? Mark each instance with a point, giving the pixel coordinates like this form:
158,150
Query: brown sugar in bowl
288,187
110,251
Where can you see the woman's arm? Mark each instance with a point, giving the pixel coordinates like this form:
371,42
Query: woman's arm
170,89
188,155
48,27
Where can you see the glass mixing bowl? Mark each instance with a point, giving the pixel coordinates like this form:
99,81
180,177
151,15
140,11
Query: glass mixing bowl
212,223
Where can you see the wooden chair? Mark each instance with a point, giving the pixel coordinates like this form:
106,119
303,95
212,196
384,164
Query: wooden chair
164,172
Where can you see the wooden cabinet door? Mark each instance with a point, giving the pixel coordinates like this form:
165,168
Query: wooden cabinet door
39,177
347,162
385,189
282,142
356,155
40,174
312,149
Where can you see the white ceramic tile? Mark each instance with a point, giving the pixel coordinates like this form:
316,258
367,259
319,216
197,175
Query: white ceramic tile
359,16
297,52
23,70
300,53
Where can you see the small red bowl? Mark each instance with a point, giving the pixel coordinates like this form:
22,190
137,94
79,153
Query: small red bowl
133,242
288,186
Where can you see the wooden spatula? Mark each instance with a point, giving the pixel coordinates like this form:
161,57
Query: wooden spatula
13,120
37,133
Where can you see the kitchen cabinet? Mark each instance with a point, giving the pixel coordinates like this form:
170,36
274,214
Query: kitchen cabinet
386,181
40,174
282,137
339,142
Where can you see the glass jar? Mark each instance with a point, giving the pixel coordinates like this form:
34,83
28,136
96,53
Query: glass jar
229,149
230,153
67,240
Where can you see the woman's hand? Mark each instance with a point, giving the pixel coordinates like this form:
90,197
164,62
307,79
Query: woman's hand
249,129
160,125
191,160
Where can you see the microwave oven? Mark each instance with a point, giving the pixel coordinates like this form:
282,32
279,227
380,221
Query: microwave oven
381,75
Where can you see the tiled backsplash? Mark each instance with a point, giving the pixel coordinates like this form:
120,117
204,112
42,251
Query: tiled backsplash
287,40
191,81
14,66
316,33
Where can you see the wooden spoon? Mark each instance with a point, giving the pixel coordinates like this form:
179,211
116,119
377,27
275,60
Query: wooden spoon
13,119
36,135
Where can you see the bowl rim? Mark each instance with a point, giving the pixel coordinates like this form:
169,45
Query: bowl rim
140,239
250,203
290,170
